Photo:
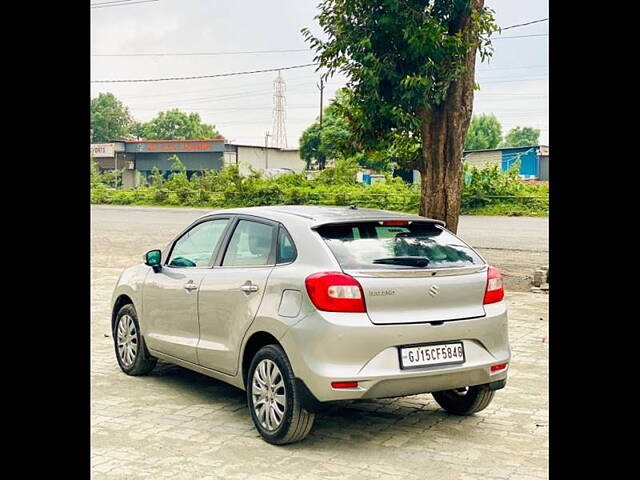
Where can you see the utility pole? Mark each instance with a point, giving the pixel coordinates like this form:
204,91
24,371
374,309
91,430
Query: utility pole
266,150
115,167
321,88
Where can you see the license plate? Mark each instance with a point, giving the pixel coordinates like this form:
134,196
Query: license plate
431,354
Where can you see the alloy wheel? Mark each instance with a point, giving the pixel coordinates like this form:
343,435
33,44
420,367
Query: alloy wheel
127,340
269,395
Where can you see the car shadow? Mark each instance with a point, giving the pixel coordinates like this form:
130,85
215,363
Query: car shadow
356,420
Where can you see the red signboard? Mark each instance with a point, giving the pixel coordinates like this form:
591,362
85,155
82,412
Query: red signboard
164,146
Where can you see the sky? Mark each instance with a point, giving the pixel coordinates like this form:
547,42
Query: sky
513,83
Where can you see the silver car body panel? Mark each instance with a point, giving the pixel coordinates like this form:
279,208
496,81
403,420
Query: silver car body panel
171,311
322,346
226,313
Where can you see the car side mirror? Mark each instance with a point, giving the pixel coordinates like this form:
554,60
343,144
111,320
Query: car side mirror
152,258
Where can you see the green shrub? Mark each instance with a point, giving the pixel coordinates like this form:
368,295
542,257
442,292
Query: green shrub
486,192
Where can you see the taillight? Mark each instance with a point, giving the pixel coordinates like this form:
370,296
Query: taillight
495,288
335,292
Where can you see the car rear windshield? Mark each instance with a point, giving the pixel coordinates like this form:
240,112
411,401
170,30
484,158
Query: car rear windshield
396,245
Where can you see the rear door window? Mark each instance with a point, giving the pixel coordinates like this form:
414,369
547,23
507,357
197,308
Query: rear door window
251,245
286,250
396,245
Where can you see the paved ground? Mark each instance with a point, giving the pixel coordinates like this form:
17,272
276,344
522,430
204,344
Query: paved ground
120,235
182,425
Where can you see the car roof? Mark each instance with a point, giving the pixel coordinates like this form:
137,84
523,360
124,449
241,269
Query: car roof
317,215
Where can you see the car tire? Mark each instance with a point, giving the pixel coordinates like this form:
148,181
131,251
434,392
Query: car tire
464,401
131,352
273,389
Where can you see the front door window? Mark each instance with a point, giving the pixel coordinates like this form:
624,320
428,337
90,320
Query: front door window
195,248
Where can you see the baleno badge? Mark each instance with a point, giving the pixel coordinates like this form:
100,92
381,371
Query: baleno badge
382,292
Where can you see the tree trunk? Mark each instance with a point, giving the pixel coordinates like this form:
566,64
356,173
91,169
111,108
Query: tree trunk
443,131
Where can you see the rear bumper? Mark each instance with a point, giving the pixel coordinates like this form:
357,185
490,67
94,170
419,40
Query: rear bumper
327,347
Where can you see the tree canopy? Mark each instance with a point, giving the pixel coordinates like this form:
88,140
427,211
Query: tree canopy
110,119
401,57
484,132
522,137
337,139
410,66
176,125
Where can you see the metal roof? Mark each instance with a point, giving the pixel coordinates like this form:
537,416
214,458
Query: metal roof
505,148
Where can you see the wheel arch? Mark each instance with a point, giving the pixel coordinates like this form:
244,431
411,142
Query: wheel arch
122,300
256,341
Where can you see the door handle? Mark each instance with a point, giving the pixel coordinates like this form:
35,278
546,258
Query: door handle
249,287
190,285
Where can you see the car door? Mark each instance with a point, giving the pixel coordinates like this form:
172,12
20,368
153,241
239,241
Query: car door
170,297
231,292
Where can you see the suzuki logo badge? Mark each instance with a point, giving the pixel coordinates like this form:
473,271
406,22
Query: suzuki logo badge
434,290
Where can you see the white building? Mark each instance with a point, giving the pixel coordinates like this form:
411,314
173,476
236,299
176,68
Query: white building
262,158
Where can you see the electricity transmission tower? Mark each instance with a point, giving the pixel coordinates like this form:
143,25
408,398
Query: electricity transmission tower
279,113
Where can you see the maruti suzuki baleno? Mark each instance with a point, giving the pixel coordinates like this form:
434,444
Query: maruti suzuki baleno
303,305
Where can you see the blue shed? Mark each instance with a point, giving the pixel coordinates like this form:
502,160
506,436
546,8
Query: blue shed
529,167
534,159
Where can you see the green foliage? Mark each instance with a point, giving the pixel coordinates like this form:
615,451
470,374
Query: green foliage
338,140
333,186
490,191
484,132
344,173
329,142
94,174
175,125
110,119
401,57
522,137
136,129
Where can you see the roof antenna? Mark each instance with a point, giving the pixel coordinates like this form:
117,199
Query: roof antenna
353,207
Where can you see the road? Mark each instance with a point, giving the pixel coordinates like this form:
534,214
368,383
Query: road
120,235
177,424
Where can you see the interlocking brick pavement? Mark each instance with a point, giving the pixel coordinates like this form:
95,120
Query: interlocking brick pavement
179,424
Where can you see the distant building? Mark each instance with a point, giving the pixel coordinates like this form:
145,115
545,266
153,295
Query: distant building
112,156
137,159
263,158
534,160
196,155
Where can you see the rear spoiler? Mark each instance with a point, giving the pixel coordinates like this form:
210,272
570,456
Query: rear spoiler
378,219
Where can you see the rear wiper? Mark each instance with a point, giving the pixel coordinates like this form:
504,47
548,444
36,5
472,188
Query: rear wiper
407,260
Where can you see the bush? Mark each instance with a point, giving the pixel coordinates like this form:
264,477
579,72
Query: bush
486,192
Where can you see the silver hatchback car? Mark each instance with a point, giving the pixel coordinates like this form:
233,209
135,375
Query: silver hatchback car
302,305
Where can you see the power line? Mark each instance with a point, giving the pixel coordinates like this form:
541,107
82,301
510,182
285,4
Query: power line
525,24
124,3
523,36
294,50
189,54
251,52
204,76
113,1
